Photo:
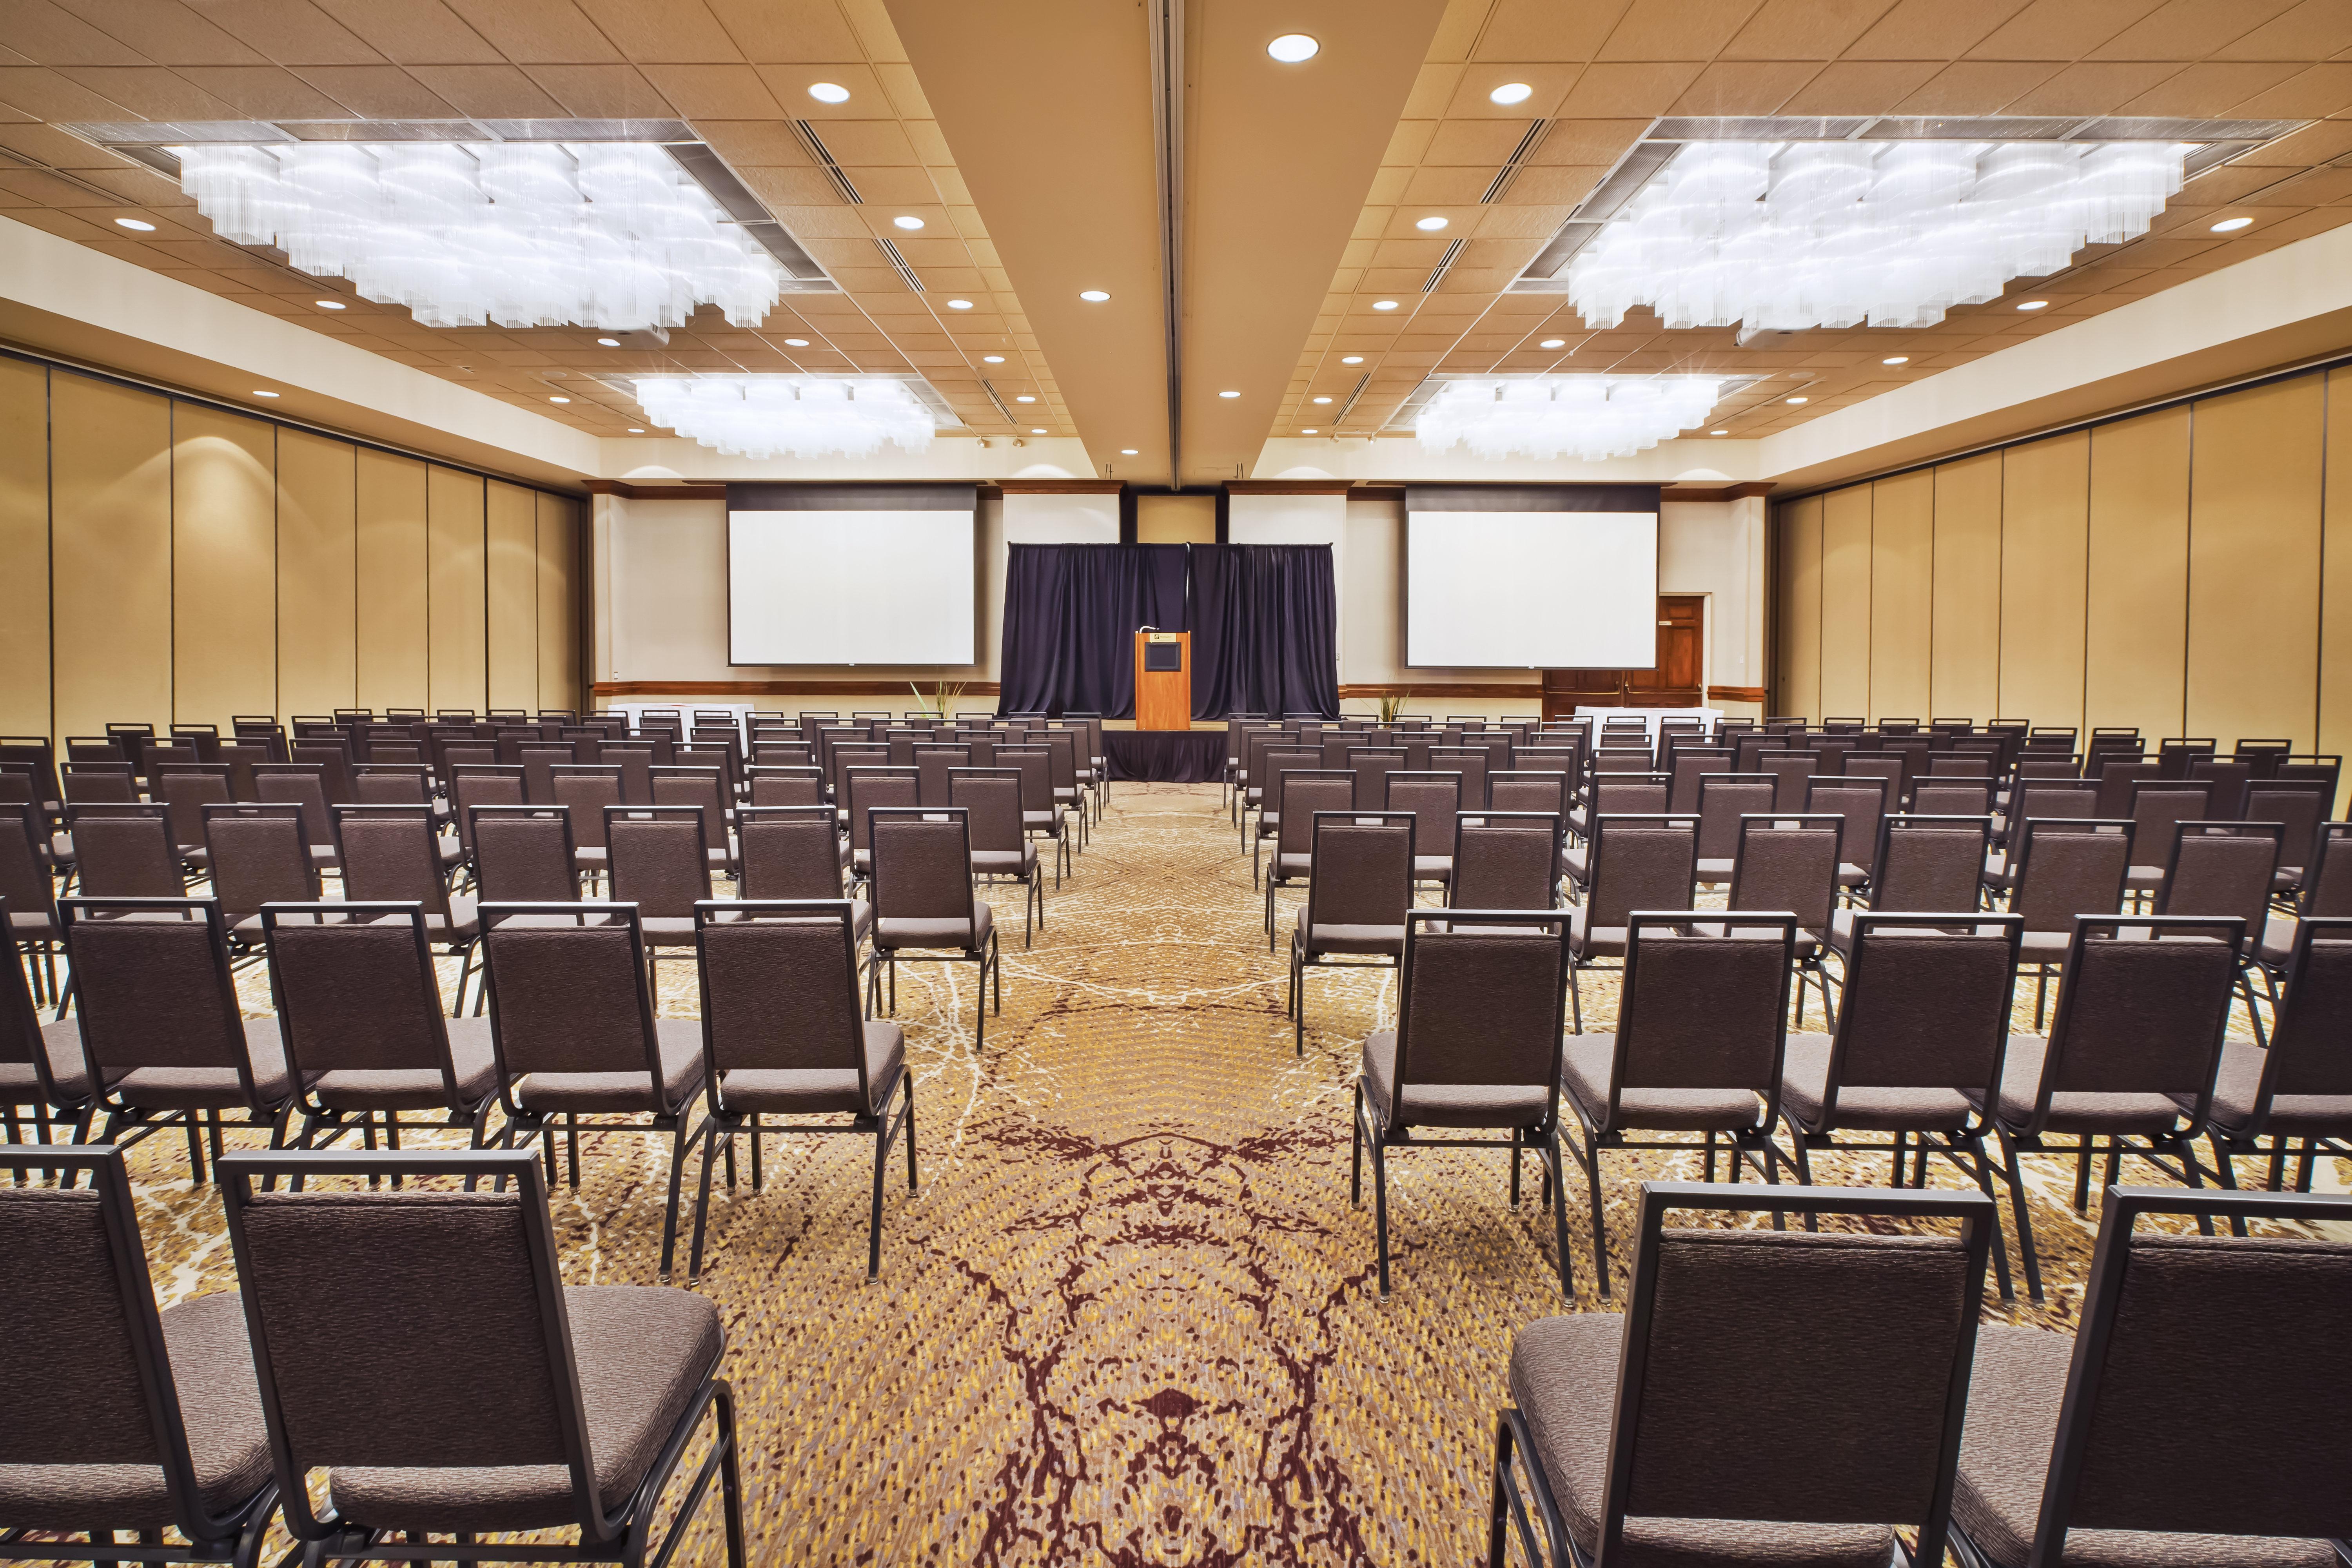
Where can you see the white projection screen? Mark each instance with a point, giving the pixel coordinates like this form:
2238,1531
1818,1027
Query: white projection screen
809,583
1531,589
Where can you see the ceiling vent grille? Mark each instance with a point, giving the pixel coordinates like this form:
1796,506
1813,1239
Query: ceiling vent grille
1444,263
1520,156
899,262
1006,413
823,155
1362,382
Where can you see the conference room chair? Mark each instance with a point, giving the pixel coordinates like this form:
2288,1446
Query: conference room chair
303,785
1724,1321
1662,1070
125,851
2229,779
2175,754
404,783
537,758
185,789
2073,1444
705,789
331,755
1371,766
1788,865
2064,867
1470,761
766,753
932,765
1939,795
2297,1088
1002,850
2035,798
109,783
2157,808
1274,763
1359,889
773,785
35,752
360,1016
1040,815
1528,789
390,856
523,854
1723,800
2116,775
2326,889
783,1035
1432,799
257,856
1792,773
122,1416
92,751
927,909
586,792
1069,793
2263,755
660,862
1613,794
635,760
1302,792
2297,805
1862,802
2227,868
1093,766
161,1026
1880,765
794,852
1477,1048
45,1080
1925,865
865,789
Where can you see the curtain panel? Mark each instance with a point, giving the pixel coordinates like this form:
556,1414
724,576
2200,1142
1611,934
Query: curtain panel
1070,617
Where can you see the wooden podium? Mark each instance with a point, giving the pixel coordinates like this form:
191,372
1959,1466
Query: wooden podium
1163,680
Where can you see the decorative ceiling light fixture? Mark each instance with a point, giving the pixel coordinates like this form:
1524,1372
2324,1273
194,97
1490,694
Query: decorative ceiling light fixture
1585,417
1782,236
515,234
789,415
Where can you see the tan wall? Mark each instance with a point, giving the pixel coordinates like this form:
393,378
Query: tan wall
167,561
2167,571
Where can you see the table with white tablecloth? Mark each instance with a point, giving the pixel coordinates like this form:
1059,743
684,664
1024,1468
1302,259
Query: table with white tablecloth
1709,717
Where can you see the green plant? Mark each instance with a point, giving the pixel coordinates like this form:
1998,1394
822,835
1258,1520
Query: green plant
1393,704
945,692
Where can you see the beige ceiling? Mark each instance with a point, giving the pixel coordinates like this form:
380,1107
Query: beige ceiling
1602,70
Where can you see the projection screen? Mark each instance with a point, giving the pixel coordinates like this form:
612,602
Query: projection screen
1531,589
818,585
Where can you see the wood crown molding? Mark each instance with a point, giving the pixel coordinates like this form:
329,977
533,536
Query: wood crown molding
1288,487
690,491
1447,689
1059,487
1737,693
773,688
1716,492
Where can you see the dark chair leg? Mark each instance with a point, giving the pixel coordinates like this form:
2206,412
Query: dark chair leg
910,1120
1515,1167
731,1477
1549,1153
1380,1210
2014,1174
676,1172
1591,1158
712,1136
1356,1153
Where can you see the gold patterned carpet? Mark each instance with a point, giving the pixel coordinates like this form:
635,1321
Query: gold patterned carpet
1130,1317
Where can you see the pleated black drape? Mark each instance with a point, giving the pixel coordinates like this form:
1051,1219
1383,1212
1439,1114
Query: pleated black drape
1070,617
1265,623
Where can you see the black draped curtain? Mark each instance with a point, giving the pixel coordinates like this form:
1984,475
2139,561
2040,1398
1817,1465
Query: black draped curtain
1265,621
1070,617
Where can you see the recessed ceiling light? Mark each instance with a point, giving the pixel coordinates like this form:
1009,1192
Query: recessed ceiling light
608,343
1024,397
1352,359
1093,296
558,400
636,429
2033,304
1322,400
1511,92
910,221
1039,430
258,392
141,224
1384,304
1719,432
328,304
2231,224
828,92
1432,224
1553,343
795,342
1897,359
991,358
1800,400
1128,452
1292,48
959,304
1310,430
1229,395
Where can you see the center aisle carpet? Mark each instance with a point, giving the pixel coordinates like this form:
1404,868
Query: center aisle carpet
1130,1317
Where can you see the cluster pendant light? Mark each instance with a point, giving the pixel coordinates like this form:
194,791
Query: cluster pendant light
1589,417
789,415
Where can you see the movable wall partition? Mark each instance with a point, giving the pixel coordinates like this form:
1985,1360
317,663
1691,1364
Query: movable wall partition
172,561
2187,570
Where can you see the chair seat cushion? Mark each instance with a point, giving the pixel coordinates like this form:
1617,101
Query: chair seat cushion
416,1089
596,1093
1712,868
642,1351
1347,938
69,1069
2075,1111
1804,1086
1564,1380
591,858
1287,867
2295,1115
1446,1104
2277,941
32,925
900,931
792,1092
1005,862
2015,1388
1588,1063
1576,860
1594,941
213,1088
667,931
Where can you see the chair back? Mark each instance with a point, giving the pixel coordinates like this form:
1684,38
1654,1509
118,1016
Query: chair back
1645,862
2174,1321
1935,796
1307,793
1926,1006
356,991
2220,868
537,758
685,785
2229,780
125,852
187,788
1723,800
855,754
1431,800
332,758
1704,1012
1930,865
635,761
2310,1056
392,783
1792,775
991,799
788,852
569,998
2068,868
1371,766
256,855
1692,763
1721,1317
99,783
2158,807
1360,869
35,752
658,858
1482,1005
25,882
2143,1017
1503,859
2052,798
1470,761
2328,880
932,766
780,988
585,792
882,787
2296,805
1862,802
787,786
1036,768
154,991
298,784
390,856
1630,794
922,865
1787,863
523,854
2116,775
1522,789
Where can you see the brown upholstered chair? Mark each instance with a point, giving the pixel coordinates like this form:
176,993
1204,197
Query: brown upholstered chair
166,1039
2300,1087
185,789
44,1077
1432,799
705,789
121,1418
1790,863
794,852
587,791
864,789
1475,1047
523,854
1692,763
1724,799
1040,817
2157,808
926,905
375,1377
802,785
1870,1336
783,1035
2073,1447
30,892
572,1025
1300,793
1359,888
1638,862
1619,794
661,867
390,856
1701,1027
1470,761
1275,764
1862,802
2070,867
1505,860
2300,806
259,857
125,852
2225,868
2326,887
1000,850
359,1011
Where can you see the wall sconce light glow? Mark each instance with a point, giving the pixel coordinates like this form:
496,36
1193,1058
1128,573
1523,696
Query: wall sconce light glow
1897,359
610,235
2033,304
1292,48
1784,235
1586,416
1093,296
1553,343
789,415
1511,92
2231,224
1352,359
1384,304
1432,224
907,221
959,304
328,304
828,92
141,224
1229,395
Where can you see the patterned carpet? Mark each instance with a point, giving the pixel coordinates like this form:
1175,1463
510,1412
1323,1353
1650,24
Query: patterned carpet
1130,1317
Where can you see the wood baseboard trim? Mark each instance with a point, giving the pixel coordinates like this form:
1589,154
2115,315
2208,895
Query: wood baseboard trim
745,688
1528,689
1736,693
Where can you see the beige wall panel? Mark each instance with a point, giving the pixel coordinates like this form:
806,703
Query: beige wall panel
1964,639
1175,519
2044,544
24,548
2253,563
559,605
1800,612
510,533
459,663
1846,601
223,565
392,601
1902,593
2136,645
110,457
318,612
2336,589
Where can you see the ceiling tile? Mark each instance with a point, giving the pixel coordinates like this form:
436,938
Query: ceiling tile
150,92
1553,187
601,92
1932,29
291,32
377,92
2060,29
165,31
894,187
56,149
2313,30
791,85
420,32
2190,30
664,32
2100,86
2312,94
1616,90
1444,186
1755,87
40,30
713,91
496,92
755,144
1978,87
1547,30
785,31
1676,29
1803,29
1481,144
530,32
1472,96
1587,141
265,92
1860,87
2210,87
1407,142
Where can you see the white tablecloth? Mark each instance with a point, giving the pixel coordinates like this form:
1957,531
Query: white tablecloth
1650,717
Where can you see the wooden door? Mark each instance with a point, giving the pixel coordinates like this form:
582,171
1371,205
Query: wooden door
1679,679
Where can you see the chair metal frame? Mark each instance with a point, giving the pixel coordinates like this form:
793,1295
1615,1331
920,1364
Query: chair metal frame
990,958
1301,957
